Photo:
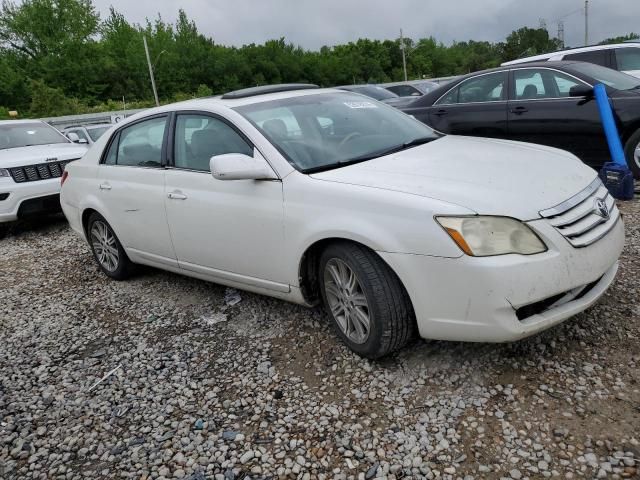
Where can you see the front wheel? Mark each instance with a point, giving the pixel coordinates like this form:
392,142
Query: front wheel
370,309
632,154
107,249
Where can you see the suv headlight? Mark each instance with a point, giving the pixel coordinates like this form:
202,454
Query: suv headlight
484,236
4,172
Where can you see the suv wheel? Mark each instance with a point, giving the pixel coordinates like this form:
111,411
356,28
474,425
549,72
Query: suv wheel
632,153
107,249
369,307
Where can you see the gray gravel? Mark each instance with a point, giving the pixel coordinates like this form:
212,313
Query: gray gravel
206,388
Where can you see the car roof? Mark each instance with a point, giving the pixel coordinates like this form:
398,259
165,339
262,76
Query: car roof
590,48
438,92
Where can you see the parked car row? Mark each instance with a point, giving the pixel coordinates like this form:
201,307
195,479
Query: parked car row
33,157
325,196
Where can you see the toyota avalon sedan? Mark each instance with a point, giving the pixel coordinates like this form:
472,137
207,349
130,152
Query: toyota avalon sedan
323,196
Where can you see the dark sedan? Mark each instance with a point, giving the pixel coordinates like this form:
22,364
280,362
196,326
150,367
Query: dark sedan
550,103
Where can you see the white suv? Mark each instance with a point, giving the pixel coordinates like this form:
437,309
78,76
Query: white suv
33,156
624,57
321,195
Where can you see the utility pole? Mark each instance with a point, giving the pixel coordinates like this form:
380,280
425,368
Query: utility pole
561,33
153,80
404,58
586,22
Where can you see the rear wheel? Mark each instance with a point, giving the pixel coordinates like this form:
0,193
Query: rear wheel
632,154
366,301
106,248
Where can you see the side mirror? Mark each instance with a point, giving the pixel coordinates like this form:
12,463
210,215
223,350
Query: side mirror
238,166
581,91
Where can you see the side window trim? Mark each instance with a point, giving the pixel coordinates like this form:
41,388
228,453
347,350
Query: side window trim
503,99
171,147
116,136
512,90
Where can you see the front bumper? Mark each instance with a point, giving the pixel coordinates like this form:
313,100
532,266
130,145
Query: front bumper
33,197
476,299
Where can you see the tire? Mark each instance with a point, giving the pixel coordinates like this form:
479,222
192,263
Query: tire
107,249
374,290
632,154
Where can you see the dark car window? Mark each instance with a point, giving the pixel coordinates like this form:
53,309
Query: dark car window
377,93
489,87
628,58
200,137
611,78
405,90
97,132
542,83
599,57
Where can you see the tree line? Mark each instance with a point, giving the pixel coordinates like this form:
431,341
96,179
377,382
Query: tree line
59,57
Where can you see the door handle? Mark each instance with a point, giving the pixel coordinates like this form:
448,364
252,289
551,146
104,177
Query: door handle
441,112
519,110
177,196
105,186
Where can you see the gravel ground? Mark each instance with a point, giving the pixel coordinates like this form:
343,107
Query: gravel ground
202,388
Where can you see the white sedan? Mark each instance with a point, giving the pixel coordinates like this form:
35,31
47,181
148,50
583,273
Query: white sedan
317,195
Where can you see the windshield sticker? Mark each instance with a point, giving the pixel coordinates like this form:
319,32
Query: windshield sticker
360,105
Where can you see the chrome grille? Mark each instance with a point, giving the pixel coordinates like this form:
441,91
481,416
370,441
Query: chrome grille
42,171
585,218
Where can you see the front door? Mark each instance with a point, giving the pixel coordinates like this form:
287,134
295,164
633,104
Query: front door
542,111
130,185
229,229
476,107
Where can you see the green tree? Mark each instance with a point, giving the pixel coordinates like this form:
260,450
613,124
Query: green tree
620,39
527,41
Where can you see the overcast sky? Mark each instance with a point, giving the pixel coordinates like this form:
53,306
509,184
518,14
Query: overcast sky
313,23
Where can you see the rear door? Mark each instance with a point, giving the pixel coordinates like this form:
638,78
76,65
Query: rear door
131,188
542,111
476,107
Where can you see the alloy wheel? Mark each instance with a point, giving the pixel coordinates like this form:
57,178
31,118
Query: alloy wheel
636,155
347,300
104,245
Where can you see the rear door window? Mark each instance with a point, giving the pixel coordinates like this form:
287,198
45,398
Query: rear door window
599,57
628,59
484,88
139,145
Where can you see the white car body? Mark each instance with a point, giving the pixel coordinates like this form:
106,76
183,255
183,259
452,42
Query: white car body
40,188
254,235
568,55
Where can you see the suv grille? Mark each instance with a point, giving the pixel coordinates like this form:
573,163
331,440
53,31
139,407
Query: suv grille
42,171
585,218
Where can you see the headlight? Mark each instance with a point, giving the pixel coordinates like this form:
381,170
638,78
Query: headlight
4,172
484,236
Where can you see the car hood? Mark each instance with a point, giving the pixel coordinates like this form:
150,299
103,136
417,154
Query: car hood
489,177
17,157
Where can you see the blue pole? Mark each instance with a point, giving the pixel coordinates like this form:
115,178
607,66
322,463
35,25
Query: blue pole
609,124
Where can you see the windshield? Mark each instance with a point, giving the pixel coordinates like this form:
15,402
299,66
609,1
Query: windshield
27,134
328,130
96,133
611,78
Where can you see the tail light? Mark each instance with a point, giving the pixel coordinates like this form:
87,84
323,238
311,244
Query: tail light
65,174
